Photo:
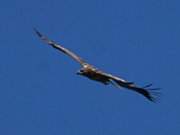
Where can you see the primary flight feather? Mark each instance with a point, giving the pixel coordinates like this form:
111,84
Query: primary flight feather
95,74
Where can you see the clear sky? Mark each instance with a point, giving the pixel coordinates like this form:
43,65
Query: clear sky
40,94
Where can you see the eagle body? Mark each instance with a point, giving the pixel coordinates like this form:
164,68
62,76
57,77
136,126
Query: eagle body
95,74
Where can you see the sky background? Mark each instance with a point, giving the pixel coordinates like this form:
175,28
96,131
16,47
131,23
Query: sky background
40,94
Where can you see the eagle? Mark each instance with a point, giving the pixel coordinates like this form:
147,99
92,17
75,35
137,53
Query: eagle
95,74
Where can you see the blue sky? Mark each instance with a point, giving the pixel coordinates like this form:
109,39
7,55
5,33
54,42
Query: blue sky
135,39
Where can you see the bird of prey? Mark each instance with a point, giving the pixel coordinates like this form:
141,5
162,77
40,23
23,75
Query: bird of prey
93,73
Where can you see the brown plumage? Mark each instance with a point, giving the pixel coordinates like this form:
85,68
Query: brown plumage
100,76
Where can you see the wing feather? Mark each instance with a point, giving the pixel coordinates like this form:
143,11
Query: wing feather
146,92
60,48
150,93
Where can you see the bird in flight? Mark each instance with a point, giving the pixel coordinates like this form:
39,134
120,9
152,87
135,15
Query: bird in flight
93,73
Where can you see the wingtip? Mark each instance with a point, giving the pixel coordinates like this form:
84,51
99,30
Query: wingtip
37,32
153,95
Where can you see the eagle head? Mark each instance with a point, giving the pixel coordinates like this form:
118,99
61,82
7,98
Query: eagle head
80,72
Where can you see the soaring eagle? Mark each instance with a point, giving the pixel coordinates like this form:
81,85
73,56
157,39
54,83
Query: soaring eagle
93,73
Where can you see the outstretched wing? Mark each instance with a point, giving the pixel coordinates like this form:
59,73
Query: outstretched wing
150,93
60,48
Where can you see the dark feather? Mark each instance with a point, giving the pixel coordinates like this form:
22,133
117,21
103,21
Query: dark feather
60,48
145,91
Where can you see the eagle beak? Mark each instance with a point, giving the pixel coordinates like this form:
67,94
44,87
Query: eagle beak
79,72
